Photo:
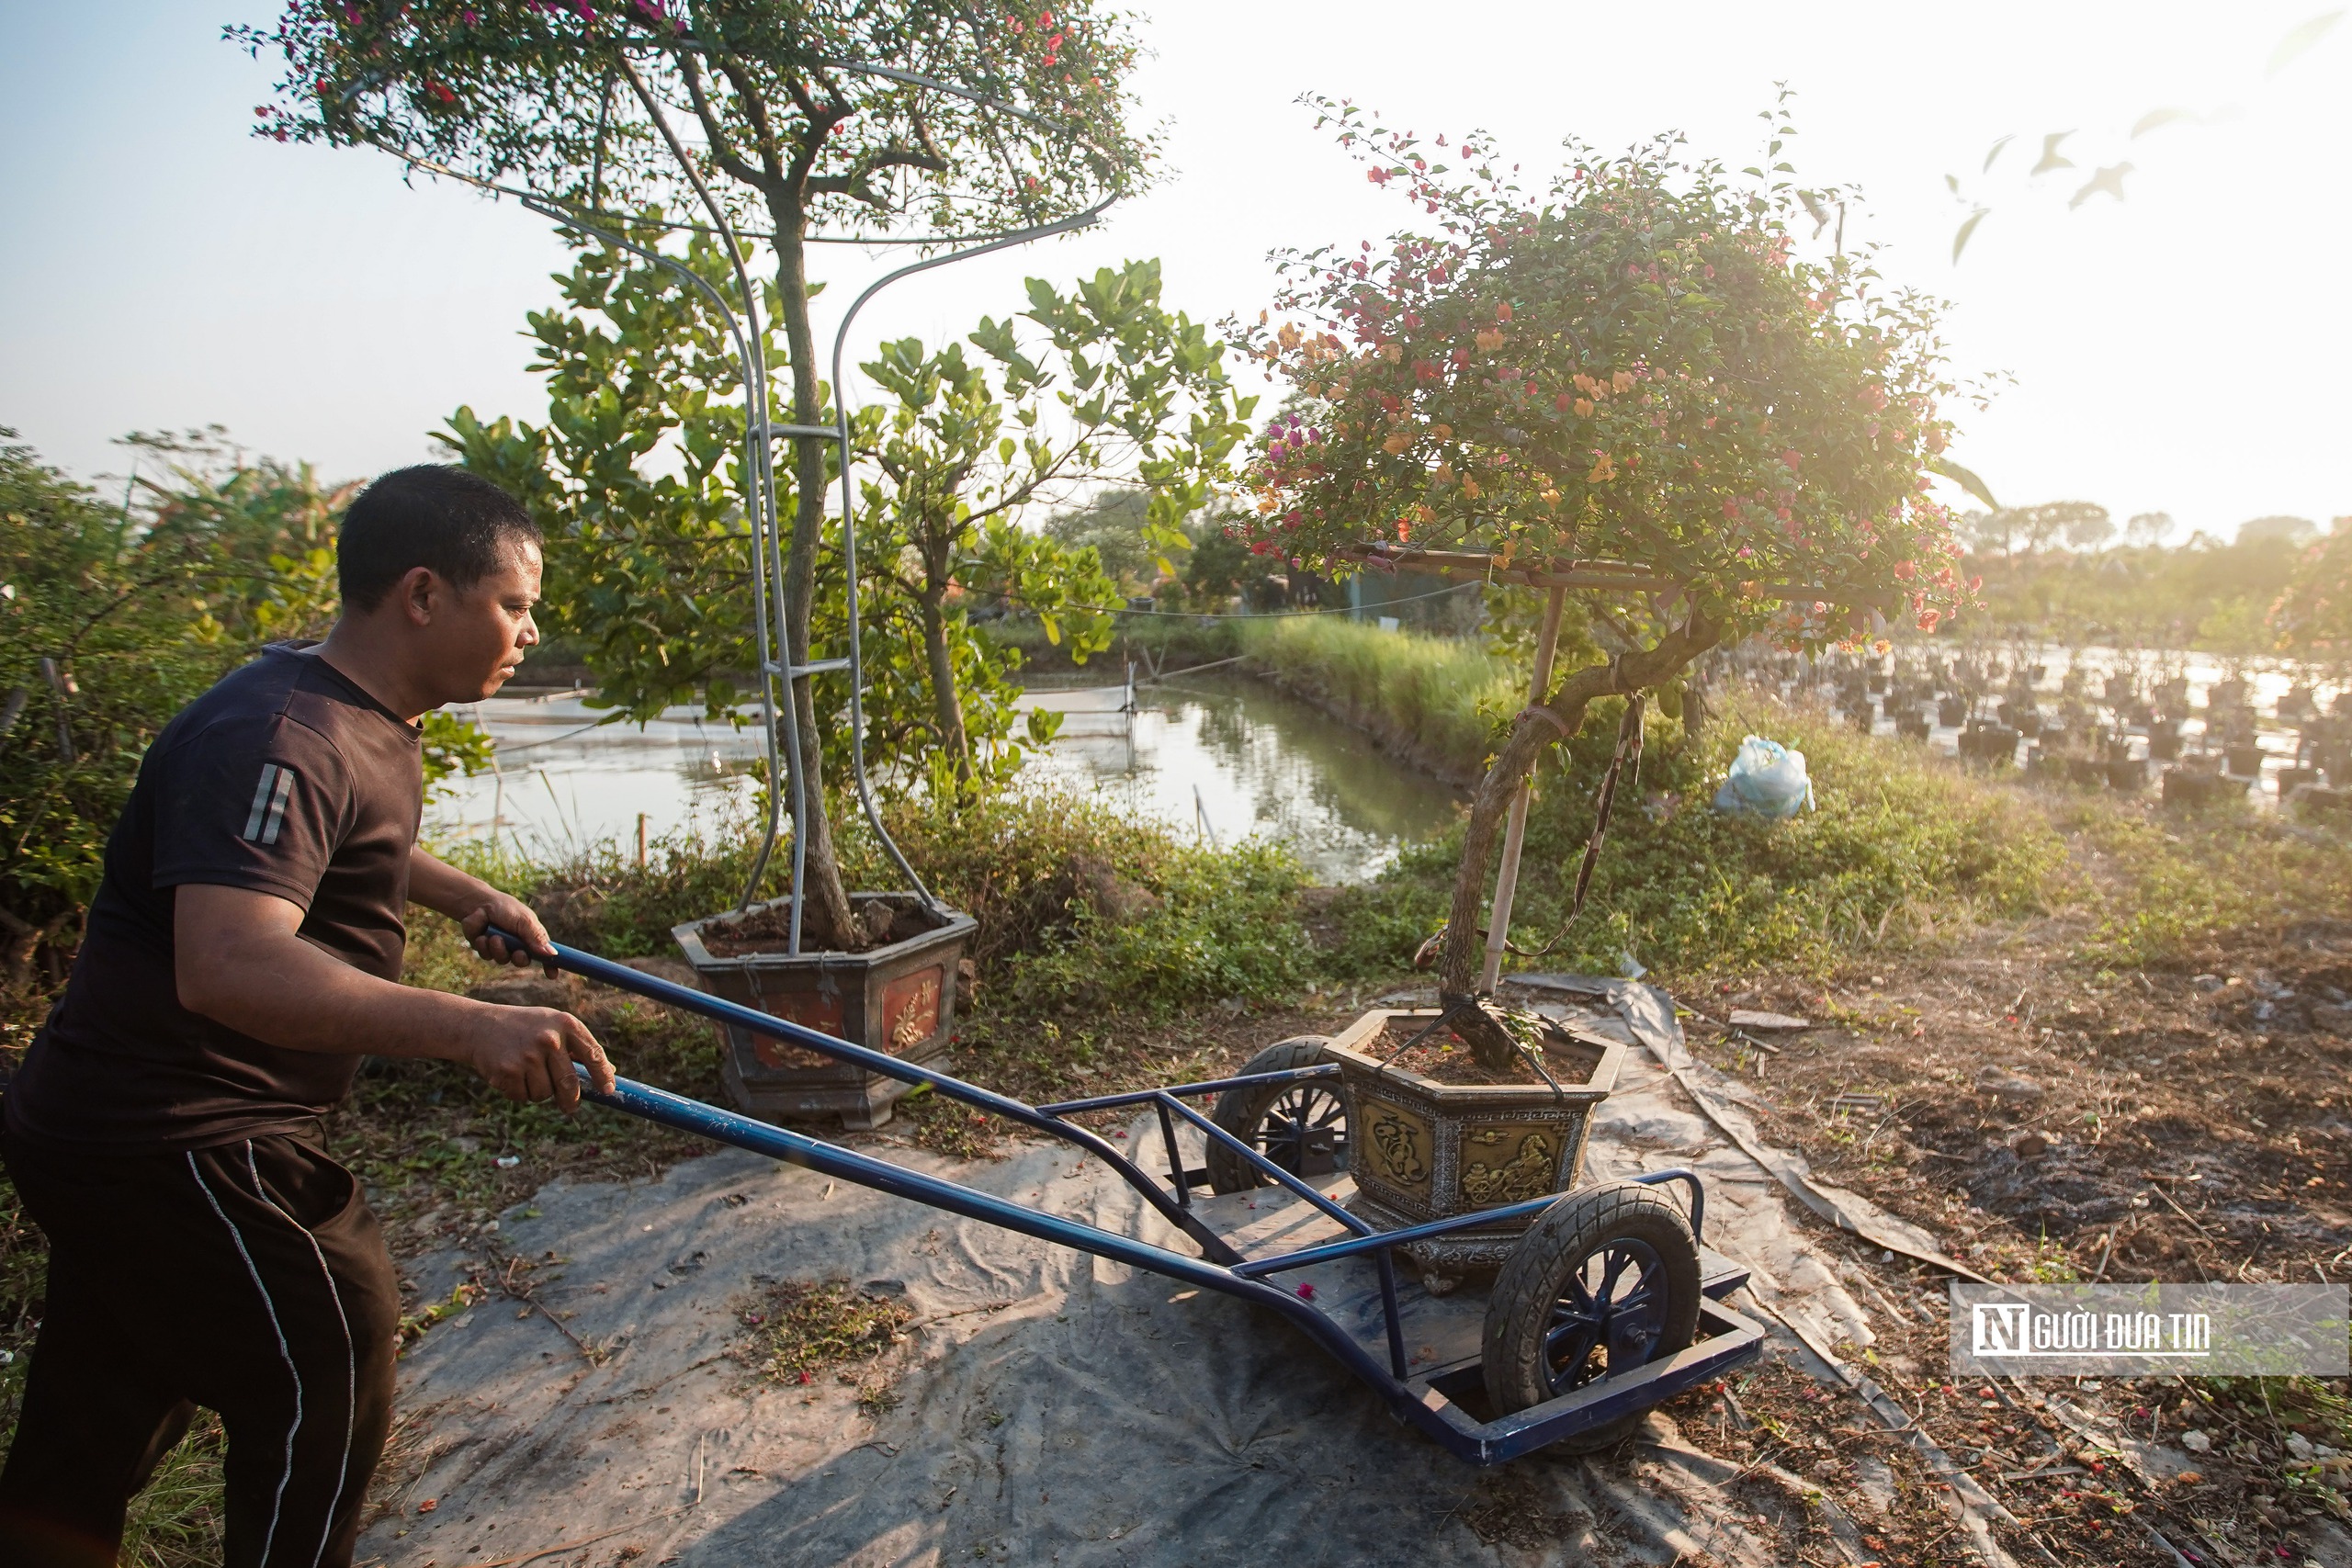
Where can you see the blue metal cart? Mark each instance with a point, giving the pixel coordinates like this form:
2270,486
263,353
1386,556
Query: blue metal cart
1608,1306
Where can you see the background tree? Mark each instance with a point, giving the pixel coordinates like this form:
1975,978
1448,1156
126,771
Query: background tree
1989,533
1110,523
2147,529
1113,388
115,615
809,114
1633,365
2089,528
2278,530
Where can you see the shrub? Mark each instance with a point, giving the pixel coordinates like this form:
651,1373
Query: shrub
1900,845
1079,907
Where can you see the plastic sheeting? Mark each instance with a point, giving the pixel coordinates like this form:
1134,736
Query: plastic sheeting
1051,1407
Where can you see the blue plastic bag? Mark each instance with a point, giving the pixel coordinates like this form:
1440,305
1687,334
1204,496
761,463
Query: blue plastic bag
1766,780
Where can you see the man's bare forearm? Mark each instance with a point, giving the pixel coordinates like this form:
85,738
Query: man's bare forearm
272,985
442,888
239,958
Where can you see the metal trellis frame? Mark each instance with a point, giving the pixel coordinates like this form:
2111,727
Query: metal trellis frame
784,772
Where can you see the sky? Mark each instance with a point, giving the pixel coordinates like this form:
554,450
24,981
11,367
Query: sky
2184,350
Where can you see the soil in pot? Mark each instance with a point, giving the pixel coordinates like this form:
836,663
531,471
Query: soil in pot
1444,1059
769,929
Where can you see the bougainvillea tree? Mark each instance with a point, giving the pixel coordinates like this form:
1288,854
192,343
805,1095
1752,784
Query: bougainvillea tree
807,116
1637,374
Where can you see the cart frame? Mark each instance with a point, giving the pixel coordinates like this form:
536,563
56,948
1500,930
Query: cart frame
1429,1401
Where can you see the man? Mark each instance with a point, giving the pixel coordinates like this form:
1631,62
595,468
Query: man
242,953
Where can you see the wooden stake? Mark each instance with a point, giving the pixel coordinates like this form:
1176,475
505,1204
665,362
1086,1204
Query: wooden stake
1547,642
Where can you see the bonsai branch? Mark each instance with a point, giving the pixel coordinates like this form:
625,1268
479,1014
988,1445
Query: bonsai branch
1536,729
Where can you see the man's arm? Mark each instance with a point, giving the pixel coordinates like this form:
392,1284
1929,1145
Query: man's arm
239,959
476,906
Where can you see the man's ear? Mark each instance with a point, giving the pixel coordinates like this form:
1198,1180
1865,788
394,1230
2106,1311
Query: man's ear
421,592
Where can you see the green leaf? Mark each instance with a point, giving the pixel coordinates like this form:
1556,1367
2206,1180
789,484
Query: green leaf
1965,478
1960,241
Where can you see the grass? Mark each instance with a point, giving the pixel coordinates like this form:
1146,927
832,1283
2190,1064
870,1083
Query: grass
1436,700
176,1522
2166,888
1903,847
800,1327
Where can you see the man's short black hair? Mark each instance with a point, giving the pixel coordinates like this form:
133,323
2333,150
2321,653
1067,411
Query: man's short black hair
434,516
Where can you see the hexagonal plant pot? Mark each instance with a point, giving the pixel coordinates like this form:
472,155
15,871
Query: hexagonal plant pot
898,997
1423,1150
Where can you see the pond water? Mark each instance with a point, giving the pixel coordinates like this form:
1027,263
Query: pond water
1212,753
1217,755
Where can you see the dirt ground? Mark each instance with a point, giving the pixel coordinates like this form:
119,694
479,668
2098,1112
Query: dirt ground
2058,1124
2042,1124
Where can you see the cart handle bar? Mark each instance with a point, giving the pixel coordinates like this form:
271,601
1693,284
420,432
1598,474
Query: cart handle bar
720,1010
1176,1211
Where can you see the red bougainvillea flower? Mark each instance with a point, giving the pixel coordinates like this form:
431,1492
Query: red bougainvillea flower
1638,362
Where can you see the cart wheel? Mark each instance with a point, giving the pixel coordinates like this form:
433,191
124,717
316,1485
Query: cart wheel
1302,1127
1605,1280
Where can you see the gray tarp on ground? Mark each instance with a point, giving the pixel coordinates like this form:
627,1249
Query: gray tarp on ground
1092,1419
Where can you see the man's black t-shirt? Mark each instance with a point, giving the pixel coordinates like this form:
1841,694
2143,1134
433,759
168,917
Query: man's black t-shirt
286,778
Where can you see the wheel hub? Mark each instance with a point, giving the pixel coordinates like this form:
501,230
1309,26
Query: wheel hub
1609,1317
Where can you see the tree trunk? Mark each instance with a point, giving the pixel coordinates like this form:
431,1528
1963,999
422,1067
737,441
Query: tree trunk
828,915
1458,958
947,706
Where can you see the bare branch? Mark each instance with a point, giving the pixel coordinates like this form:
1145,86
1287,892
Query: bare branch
714,133
755,109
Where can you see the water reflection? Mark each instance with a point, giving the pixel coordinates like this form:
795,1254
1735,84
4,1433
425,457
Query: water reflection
1228,757
564,782
1218,755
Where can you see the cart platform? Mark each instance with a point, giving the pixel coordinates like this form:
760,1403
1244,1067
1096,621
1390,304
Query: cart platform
1443,1333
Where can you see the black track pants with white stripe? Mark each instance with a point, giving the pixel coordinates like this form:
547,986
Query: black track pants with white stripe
249,1279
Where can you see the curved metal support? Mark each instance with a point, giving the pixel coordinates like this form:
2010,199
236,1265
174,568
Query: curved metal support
767,526
849,511
1698,1195
755,445
763,478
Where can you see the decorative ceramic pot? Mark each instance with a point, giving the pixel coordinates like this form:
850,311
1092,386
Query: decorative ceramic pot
1423,1150
898,997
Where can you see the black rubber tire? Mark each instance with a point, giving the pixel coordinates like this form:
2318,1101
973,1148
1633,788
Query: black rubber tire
1565,1239
1243,1111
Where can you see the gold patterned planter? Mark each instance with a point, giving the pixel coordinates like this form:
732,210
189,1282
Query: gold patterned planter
1423,1150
